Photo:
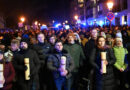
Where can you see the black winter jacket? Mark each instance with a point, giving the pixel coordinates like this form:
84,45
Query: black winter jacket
53,63
104,81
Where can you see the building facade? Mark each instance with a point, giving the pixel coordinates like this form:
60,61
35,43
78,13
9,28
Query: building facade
1,22
97,10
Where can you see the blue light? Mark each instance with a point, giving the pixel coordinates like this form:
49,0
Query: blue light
116,13
101,23
90,23
67,27
84,24
78,21
43,27
57,25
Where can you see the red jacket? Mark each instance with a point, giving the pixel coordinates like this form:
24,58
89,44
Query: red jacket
9,74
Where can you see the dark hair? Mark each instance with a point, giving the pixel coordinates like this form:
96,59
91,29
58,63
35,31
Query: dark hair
99,38
52,36
58,41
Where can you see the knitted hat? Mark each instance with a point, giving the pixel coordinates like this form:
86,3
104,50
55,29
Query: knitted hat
25,40
119,39
108,36
119,35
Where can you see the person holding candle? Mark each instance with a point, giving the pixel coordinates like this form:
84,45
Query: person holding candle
61,65
7,73
102,59
26,64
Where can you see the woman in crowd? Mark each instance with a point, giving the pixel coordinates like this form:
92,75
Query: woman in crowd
8,73
104,80
121,62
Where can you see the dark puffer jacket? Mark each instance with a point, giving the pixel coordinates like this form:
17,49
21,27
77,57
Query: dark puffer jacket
103,81
54,63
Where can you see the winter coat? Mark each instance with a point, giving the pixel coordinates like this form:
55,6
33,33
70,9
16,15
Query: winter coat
103,81
9,75
53,63
20,68
120,54
42,49
76,53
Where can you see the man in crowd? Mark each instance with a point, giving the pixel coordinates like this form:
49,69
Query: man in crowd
20,68
42,49
77,55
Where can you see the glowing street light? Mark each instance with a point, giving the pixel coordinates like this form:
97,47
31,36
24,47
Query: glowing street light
110,5
76,17
22,19
36,23
66,21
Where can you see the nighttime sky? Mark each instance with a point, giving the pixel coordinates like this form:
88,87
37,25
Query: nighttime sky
44,10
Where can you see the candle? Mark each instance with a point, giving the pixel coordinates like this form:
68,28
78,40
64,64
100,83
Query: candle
27,72
63,64
103,55
103,65
1,75
63,60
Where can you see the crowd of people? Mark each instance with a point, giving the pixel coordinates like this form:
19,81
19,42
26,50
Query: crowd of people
65,59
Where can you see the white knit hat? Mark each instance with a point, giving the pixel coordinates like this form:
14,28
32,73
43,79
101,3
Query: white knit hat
119,39
119,35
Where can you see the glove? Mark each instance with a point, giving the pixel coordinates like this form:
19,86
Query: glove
25,68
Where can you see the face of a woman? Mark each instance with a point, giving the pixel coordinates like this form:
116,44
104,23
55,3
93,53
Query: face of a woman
1,56
101,42
118,43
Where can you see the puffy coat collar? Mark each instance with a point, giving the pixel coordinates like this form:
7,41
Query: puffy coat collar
63,51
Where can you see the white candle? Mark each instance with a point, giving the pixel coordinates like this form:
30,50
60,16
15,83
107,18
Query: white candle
1,75
103,55
103,65
63,60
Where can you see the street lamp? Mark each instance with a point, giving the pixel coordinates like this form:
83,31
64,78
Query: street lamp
22,19
66,21
76,17
110,5
36,23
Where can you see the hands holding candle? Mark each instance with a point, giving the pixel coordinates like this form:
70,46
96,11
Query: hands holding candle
62,68
103,62
27,72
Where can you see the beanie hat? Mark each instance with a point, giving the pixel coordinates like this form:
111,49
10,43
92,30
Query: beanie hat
25,40
108,36
119,35
119,39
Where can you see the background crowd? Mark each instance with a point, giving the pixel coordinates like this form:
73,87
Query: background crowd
81,48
